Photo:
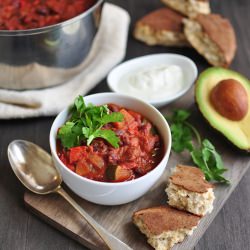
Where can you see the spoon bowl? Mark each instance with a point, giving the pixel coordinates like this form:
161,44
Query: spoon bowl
34,168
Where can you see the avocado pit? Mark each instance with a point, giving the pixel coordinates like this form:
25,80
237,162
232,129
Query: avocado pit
230,99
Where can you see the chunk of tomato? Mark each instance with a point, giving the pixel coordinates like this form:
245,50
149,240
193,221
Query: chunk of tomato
76,153
128,121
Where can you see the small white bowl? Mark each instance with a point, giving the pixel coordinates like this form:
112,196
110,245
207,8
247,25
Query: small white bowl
113,193
187,65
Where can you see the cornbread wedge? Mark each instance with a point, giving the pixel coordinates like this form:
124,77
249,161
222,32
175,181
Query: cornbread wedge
189,8
161,27
165,226
188,190
213,37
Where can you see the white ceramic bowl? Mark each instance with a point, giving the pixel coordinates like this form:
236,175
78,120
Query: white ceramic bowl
187,65
113,193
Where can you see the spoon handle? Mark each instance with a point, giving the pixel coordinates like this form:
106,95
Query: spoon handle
111,241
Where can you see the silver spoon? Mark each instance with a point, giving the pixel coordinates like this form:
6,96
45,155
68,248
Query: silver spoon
34,168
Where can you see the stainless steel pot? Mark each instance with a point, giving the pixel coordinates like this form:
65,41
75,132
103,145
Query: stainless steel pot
48,56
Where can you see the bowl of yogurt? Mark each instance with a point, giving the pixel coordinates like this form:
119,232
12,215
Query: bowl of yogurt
157,79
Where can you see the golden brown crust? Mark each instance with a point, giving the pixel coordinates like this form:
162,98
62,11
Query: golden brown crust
190,178
221,32
189,8
160,219
163,19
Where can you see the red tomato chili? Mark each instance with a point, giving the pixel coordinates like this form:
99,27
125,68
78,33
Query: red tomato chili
30,14
139,152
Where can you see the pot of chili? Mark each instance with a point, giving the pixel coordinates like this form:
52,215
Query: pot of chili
110,148
37,37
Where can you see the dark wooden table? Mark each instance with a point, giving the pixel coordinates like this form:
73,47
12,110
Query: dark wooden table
21,230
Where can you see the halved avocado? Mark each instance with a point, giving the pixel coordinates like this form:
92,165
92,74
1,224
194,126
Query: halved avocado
237,132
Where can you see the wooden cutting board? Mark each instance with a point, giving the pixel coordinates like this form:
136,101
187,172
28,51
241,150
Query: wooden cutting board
117,219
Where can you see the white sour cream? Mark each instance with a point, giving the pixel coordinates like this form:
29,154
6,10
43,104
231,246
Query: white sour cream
153,83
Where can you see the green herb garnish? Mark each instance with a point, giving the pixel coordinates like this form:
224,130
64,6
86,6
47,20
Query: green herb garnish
203,153
85,124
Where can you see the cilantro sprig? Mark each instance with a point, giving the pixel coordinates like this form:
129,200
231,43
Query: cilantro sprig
203,153
86,123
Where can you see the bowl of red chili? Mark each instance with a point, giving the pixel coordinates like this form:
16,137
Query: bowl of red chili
43,42
110,148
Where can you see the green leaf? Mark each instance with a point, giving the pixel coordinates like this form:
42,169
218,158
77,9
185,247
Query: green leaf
217,157
79,103
104,110
66,128
204,155
113,117
180,115
206,143
90,139
181,136
88,121
68,140
86,132
210,162
109,136
198,159
68,135
85,124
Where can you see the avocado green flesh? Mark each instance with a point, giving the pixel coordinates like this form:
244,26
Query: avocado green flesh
237,132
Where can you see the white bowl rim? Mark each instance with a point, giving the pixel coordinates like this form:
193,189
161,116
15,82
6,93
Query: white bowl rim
139,179
141,58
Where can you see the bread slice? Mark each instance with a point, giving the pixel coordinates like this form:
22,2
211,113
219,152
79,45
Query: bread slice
188,190
161,27
213,37
165,226
189,8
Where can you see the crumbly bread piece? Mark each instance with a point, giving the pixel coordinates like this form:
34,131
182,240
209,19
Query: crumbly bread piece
165,226
188,190
161,27
189,8
213,37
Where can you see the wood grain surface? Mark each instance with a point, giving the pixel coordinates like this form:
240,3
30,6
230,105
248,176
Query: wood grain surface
230,230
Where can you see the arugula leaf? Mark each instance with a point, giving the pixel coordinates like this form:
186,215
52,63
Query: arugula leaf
85,124
204,155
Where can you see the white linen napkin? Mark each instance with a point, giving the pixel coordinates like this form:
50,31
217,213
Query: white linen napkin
108,49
